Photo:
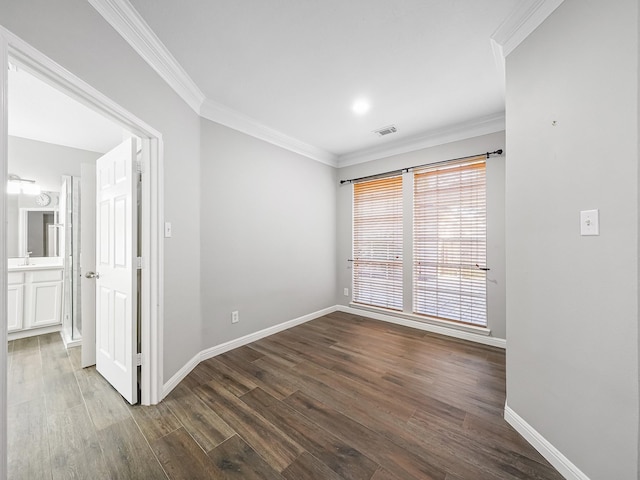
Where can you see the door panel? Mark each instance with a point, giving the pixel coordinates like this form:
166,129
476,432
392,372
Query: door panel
116,286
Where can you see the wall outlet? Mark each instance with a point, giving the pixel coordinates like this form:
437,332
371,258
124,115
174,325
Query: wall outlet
346,292
235,317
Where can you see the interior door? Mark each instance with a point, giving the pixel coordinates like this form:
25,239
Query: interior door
116,269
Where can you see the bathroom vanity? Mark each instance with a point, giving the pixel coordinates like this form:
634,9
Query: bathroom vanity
35,268
34,297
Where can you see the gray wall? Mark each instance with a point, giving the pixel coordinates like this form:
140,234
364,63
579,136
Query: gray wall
572,301
46,162
75,36
268,234
495,214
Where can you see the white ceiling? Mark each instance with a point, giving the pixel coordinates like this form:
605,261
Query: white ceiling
297,66
40,112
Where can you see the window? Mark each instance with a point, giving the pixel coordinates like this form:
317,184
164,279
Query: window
449,242
377,243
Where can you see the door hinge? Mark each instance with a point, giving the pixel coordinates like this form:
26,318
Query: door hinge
139,168
139,263
138,359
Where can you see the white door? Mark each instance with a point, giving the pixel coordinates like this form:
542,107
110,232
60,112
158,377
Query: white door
88,262
116,269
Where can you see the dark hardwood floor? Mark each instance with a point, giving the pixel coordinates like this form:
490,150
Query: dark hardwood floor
341,397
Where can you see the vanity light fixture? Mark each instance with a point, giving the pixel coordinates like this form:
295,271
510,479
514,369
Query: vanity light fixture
17,185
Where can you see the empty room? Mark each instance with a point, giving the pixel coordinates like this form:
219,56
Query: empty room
330,240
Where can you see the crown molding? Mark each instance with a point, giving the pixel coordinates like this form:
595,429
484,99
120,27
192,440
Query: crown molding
125,19
232,118
522,22
461,131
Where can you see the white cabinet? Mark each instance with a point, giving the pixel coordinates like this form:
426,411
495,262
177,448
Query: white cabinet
15,301
34,298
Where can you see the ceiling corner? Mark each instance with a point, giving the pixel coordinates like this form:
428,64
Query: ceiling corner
461,131
233,119
522,22
125,19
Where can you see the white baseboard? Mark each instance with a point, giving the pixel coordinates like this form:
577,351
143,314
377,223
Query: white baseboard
33,332
542,445
238,342
443,330
252,337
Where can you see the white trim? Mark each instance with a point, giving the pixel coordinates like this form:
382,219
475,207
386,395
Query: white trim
542,445
478,337
453,133
522,22
32,332
181,374
151,301
236,343
231,118
252,337
4,139
125,19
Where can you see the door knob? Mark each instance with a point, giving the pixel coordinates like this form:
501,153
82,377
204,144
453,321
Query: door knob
92,275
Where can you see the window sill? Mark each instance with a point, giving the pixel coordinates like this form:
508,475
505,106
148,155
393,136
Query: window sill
423,319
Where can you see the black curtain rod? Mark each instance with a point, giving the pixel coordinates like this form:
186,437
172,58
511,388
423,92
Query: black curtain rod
403,170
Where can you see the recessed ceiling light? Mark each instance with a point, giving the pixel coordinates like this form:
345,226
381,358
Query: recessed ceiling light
361,106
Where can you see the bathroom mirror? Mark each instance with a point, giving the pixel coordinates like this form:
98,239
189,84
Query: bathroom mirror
38,232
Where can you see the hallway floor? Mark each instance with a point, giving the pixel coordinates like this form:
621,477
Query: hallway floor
340,397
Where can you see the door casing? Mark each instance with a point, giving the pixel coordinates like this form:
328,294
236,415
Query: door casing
152,214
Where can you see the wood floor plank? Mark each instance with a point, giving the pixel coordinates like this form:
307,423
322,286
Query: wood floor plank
75,357
74,446
265,438
233,379
154,421
127,453
26,368
104,403
307,467
340,397
395,459
200,421
183,459
28,441
382,474
337,455
261,376
268,349
237,460
61,392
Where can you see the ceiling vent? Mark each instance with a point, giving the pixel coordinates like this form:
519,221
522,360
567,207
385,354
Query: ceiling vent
386,130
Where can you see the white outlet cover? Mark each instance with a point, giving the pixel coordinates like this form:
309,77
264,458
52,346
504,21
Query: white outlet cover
589,222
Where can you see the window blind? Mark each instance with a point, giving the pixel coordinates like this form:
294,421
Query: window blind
377,243
450,231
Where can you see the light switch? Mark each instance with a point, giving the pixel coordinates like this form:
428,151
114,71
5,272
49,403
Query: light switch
167,229
589,222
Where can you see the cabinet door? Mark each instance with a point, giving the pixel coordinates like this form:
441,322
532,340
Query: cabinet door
44,304
15,296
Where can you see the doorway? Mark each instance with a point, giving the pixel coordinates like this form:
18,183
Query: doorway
151,213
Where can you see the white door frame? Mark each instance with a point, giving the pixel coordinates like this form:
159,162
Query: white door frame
151,218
